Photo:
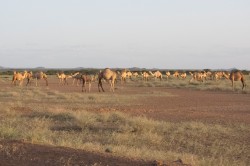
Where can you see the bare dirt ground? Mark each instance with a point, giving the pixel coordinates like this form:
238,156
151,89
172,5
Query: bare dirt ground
178,105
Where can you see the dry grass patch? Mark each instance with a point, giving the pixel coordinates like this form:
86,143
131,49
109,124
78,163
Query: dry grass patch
194,142
50,117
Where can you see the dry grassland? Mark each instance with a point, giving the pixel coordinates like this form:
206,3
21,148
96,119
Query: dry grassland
45,116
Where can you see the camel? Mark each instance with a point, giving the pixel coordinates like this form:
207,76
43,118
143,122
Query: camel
208,75
29,77
135,74
236,76
226,75
129,74
109,75
145,76
19,77
62,78
176,74
183,75
76,76
37,76
156,74
86,79
217,75
123,76
151,73
196,76
168,74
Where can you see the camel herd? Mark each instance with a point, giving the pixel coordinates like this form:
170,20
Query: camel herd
19,77
112,76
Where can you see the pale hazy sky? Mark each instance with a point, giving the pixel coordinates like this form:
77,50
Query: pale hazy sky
172,34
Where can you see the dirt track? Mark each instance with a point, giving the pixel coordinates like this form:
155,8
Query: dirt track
167,104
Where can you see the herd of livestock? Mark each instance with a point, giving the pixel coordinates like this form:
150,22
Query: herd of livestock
112,76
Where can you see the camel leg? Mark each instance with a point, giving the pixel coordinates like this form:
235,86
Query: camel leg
100,84
243,83
112,85
28,81
191,80
46,80
89,86
20,82
14,82
65,81
233,84
83,85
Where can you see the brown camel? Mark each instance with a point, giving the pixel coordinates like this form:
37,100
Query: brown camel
37,76
86,79
109,75
77,76
237,76
19,77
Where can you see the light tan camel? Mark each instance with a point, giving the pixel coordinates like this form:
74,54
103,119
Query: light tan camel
145,76
208,75
19,77
62,78
226,75
129,74
176,74
217,75
135,74
198,76
108,75
151,73
168,74
123,76
237,76
183,75
156,74
37,76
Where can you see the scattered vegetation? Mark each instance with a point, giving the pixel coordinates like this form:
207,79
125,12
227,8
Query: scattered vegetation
51,117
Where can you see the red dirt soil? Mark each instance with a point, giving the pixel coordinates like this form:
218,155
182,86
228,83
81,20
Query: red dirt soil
181,105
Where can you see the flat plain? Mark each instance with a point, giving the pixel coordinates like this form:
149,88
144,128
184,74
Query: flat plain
141,122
